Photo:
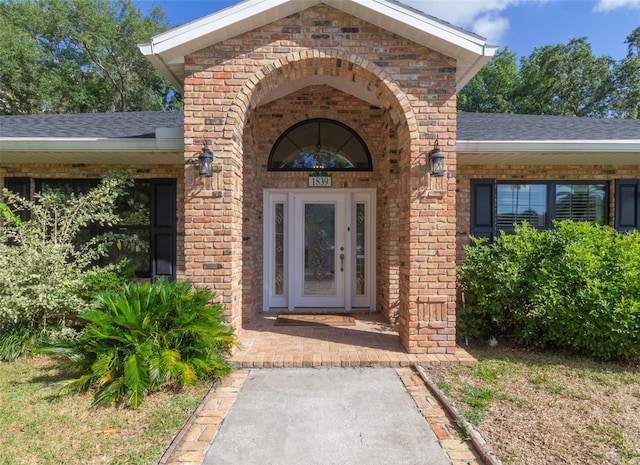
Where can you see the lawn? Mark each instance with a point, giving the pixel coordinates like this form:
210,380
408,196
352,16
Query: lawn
532,408
38,426
535,408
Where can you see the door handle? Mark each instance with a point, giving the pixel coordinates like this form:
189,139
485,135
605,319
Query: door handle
341,262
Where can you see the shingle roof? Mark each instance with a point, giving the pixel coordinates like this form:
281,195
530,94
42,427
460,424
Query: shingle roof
508,127
471,126
132,125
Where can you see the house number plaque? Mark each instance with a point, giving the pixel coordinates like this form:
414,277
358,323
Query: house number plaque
320,179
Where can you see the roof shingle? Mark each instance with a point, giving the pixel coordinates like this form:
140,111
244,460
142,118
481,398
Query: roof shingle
471,126
510,127
131,125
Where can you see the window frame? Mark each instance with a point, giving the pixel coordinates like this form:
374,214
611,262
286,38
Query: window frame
96,230
271,164
483,211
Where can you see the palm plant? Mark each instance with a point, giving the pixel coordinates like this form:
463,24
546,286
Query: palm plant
146,337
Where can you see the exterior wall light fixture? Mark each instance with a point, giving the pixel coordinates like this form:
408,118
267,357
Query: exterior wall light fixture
206,160
436,161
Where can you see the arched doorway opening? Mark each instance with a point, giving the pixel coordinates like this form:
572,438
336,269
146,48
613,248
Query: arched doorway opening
256,120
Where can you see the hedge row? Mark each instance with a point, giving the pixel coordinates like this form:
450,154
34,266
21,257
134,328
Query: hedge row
575,287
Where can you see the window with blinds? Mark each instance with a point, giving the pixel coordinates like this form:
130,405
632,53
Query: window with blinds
580,202
519,203
500,205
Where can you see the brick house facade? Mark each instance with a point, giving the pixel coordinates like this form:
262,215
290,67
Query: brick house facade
390,74
325,60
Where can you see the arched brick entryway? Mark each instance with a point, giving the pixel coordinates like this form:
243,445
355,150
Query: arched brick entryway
416,238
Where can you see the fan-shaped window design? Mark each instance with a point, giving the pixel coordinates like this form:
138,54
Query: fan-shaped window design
319,144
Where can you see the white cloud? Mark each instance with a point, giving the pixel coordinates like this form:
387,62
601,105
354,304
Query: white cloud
609,5
491,26
484,17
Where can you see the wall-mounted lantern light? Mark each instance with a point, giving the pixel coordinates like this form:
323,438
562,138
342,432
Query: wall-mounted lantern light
206,160
436,161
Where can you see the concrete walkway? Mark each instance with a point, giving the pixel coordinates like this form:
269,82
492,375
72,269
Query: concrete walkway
324,417
345,416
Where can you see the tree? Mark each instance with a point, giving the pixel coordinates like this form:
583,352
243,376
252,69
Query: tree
627,77
21,82
492,89
77,56
566,80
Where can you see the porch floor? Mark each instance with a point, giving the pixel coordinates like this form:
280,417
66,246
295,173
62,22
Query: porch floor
372,342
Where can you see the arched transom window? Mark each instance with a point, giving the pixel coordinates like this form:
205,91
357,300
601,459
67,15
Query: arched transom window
319,144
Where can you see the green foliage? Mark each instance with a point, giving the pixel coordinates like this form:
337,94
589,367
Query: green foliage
47,273
492,89
146,337
564,79
14,342
77,56
574,287
627,77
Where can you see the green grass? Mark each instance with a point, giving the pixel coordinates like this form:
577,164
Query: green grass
41,427
586,408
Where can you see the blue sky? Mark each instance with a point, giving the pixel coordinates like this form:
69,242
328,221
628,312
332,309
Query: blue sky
521,25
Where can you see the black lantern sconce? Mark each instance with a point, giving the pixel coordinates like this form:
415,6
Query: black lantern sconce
436,161
206,160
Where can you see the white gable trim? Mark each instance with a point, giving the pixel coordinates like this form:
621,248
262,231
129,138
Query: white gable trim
167,51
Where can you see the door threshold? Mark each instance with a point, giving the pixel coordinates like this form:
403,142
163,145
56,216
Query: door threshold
318,311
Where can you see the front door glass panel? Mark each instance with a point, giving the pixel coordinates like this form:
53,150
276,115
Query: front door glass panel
361,268
319,249
279,246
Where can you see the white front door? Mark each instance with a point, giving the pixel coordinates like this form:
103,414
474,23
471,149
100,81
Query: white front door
319,250
319,245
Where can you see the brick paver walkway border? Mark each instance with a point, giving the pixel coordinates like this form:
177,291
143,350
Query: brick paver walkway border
372,342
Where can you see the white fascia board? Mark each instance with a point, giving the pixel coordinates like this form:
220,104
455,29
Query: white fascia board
221,25
379,12
165,69
632,145
466,73
89,144
170,48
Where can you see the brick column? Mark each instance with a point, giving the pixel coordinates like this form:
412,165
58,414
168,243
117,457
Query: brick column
428,295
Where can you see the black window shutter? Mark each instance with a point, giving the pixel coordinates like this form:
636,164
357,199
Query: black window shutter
22,187
483,208
163,229
627,204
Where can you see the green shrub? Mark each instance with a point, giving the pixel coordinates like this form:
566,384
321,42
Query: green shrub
47,273
574,287
14,342
146,337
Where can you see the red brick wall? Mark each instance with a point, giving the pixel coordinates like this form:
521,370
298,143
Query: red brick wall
416,89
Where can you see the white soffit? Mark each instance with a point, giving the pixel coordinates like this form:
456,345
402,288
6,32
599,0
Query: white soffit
91,150
549,152
167,51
